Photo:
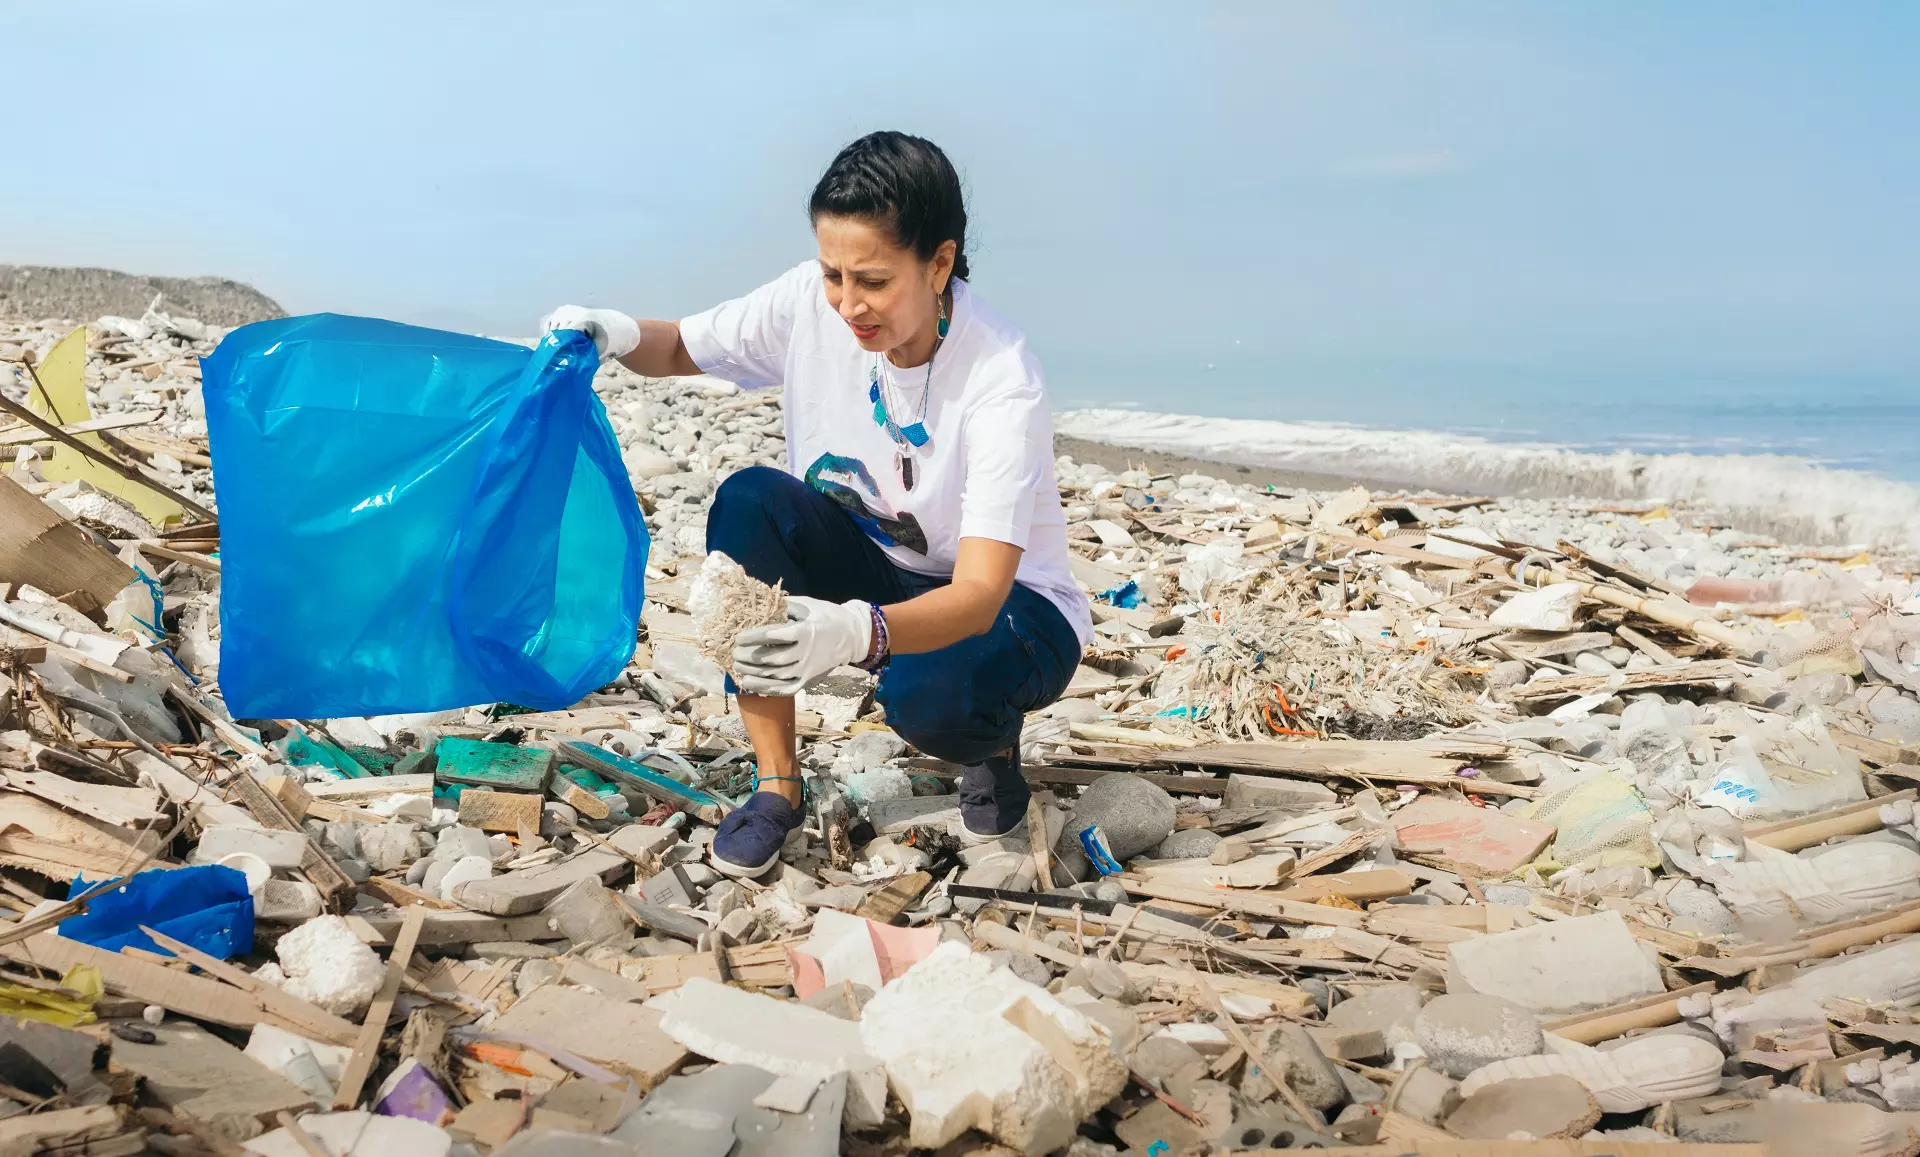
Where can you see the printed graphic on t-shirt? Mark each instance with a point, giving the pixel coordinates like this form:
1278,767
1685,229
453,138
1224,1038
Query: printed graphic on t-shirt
848,482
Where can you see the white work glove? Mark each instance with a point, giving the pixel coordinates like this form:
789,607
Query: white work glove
817,637
614,333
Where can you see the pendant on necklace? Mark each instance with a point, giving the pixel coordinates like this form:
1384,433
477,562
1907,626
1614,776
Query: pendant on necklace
904,465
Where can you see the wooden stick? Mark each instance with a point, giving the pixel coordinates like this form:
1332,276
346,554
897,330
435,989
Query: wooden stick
1037,840
367,1048
101,456
1246,902
162,550
15,435
300,1136
1846,820
1606,1023
1645,646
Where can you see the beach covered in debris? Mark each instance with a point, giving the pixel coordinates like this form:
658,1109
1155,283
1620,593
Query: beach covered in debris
1413,821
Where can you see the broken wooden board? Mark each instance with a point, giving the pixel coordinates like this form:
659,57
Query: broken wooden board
312,1020
1361,887
1473,841
665,973
366,1048
1553,644
373,787
500,811
453,929
266,807
1262,871
765,965
1431,762
1573,686
149,983
41,838
626,773
122,806
624,1037
1244,902
183,790
895,897
42,549
203,1078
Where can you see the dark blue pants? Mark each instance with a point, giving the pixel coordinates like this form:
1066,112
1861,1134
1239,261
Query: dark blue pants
961,703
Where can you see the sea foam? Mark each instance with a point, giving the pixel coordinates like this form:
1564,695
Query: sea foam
1795,499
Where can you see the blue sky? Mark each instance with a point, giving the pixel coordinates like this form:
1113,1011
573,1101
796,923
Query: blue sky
1328,204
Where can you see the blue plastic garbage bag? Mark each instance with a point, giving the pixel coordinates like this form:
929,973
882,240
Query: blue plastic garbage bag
412,520
207,907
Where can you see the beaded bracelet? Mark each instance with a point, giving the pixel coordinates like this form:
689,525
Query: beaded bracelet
882,648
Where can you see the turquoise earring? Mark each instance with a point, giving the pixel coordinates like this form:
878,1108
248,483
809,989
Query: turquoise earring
942,298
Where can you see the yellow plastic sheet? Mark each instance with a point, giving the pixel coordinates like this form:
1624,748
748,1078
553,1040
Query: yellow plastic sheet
61,398
84,987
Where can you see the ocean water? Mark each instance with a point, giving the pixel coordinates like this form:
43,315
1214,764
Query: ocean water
1818,467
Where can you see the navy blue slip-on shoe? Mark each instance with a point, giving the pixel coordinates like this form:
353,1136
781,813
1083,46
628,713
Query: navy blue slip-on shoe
993,798
750,838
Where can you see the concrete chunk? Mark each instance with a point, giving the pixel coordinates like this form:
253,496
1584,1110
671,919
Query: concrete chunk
1389,1008
968,1045
529,889
587,913
1541,1107
280,849
785,1039
1559,968
205,1079
625,1037
1275,792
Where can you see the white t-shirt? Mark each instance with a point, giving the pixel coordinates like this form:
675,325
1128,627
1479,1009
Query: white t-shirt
986,470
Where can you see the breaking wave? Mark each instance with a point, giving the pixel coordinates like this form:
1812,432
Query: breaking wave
1794,499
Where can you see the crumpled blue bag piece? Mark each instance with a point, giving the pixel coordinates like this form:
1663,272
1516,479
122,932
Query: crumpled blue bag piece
414,520
207,907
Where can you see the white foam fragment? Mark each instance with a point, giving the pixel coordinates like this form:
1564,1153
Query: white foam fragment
324,962
969,1045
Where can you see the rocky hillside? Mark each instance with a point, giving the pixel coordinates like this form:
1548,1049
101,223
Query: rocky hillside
38,291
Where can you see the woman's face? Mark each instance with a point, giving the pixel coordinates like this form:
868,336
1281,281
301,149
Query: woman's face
883,291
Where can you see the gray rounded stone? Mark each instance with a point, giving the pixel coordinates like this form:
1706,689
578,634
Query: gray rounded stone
1134,814
1190,844
1461,1032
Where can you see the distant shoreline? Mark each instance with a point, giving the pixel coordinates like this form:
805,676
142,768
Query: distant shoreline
1119,458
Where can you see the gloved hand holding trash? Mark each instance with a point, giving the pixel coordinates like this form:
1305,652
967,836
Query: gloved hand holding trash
817,637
